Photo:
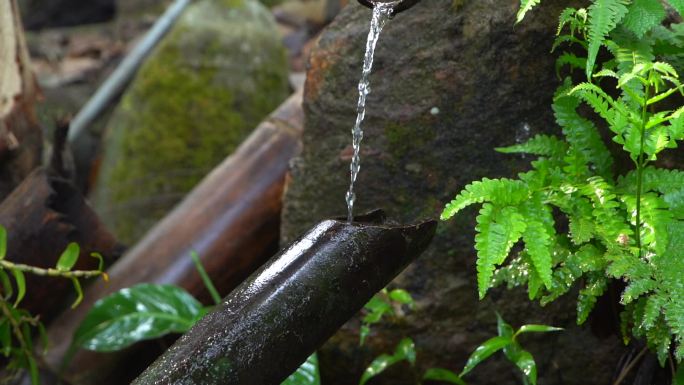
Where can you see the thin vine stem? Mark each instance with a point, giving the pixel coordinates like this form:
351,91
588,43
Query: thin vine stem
7,265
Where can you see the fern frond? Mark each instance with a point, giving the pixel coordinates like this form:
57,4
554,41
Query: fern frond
538,237
571,60
655,219
500,191
497,231
543,145
643,15
604,15
582,134
594,288
581,229
652,310
525,6
678,5
636,289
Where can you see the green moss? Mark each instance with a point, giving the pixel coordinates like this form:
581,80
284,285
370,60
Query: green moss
215,77
401,139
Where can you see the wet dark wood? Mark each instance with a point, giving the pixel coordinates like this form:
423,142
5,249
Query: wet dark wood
231,219
42,215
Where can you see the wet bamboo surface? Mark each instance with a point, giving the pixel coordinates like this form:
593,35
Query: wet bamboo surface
231,219
282,313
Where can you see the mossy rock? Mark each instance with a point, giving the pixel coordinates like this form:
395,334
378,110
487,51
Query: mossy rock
452,80
220,71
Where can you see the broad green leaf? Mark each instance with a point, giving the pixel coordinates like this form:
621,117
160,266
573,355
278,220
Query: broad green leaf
379,365
444,375
139,313
21,285
402,296
306,374
69,257
503,328
3,242
485,350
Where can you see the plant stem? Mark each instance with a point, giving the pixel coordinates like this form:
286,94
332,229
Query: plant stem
640,163
629,367
7,265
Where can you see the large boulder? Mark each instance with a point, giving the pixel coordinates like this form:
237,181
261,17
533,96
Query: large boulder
211,81
451,81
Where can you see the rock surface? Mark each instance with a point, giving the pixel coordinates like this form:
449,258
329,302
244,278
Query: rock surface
451,81
211,81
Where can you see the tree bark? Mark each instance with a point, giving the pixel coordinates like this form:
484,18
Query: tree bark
20,133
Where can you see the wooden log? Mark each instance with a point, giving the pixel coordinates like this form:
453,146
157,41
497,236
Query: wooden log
42,215
231,219
269,325
20,134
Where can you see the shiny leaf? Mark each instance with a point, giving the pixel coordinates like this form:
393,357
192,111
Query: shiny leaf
306,374
402,296
406,350
364,331
377,366
444,375
525,362
7,289
69,257
21,285
485,350
139,313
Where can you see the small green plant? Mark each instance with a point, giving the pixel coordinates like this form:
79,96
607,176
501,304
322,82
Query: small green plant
150,311
506,341
385,303
17,326
628,227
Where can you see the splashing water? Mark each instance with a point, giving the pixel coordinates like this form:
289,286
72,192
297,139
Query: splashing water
381,13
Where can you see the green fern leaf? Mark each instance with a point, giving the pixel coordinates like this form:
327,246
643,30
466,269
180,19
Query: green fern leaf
655,219
636,289
652,310
543,145
583,135
538,237
643,15
581,229
595,287
604,15
678,5
571,60
500,191
497,231
525,6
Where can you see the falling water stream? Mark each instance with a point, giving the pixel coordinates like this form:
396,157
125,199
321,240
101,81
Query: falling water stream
381,13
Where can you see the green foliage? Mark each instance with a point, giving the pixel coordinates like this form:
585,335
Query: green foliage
306,374
17,326
405,351
628,227
138,313
506,341
385,303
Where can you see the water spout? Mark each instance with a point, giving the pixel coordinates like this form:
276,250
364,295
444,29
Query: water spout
274,320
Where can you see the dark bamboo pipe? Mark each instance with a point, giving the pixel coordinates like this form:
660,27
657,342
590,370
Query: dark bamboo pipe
401,7
283,312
